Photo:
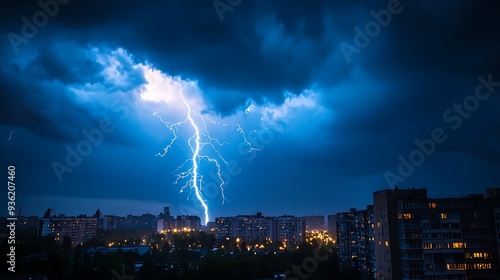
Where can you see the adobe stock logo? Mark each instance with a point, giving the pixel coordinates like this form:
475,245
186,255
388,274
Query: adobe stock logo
221,7
93,138
39,20
454,116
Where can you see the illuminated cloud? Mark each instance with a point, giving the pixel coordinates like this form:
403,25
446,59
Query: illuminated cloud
322,125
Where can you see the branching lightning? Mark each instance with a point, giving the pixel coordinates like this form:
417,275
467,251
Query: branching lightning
10,136
200,139
250,147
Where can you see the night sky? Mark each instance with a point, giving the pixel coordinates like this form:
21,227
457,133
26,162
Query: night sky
335,101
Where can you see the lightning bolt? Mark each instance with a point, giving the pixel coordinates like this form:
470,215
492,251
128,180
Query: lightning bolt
242,132
265,114
195,181
249,108
200,139
10,136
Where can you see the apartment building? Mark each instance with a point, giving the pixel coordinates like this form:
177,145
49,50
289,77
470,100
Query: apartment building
417,237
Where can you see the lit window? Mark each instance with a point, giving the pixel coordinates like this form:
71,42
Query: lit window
457,245
479,255
432,205
455,266
443,215
482,266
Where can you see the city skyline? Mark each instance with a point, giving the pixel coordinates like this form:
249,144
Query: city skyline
279,108
160,211
403,234
78,206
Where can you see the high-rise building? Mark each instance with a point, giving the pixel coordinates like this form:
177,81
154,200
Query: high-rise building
144,221
113,222
251,228
78,229
255,228
291,230
332,226
166,222
169,223
315,222
224,228
417,237
100,222
211,227
355,241
187,221
27,222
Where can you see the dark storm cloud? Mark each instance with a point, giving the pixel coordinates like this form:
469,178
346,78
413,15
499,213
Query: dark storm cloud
63,63
37,95
427,59
40,107
260,49
394,90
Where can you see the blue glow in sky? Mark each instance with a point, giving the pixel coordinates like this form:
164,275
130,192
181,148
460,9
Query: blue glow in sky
303,125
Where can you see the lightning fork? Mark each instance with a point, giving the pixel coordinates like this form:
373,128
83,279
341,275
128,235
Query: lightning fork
199,140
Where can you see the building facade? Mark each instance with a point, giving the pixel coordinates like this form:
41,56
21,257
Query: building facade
113,222
78,229
290,230
144,221
417,237
250,228
187,221
356,241
332,225
315,222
